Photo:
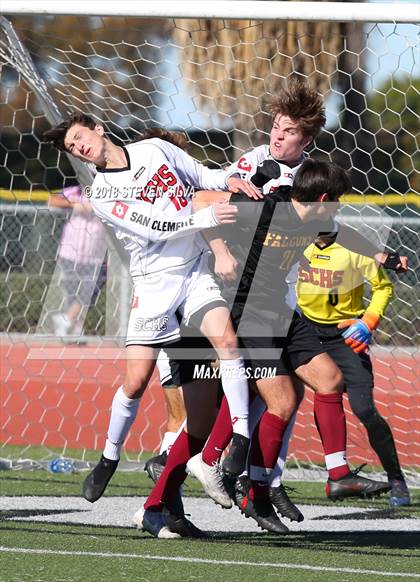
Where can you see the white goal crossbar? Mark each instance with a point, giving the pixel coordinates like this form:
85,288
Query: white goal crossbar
398,12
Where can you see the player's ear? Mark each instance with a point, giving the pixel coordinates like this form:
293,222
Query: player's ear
306,141
99,129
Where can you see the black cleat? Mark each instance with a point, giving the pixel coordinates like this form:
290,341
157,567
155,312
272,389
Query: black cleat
155,465
235,461
400,495
96,482
238,489
353,485
263,513
178,523
260,510
283,504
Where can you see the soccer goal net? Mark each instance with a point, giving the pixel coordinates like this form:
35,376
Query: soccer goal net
207,73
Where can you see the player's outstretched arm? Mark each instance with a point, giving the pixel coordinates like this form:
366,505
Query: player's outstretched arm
354,241
160,227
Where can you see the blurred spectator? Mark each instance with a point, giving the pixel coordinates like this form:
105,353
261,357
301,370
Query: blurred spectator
81,262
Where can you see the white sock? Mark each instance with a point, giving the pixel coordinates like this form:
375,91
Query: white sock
167,441
235,387
123,414
277,473
256,410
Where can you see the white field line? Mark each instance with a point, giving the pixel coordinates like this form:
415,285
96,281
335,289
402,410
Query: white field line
5,549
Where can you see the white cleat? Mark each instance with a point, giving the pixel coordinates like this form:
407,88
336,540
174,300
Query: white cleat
211,479
154,523
61,324
137,519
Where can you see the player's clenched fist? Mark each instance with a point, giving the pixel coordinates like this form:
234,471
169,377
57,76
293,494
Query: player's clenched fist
225,213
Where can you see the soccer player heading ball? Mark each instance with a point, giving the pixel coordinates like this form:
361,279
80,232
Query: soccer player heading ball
142,191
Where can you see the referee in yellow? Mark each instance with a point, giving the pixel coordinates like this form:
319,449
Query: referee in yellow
330,291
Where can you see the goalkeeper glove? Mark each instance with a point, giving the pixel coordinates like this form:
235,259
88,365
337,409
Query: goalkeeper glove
358,336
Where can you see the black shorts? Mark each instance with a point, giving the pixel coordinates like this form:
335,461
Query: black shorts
356,368
264,355
286,353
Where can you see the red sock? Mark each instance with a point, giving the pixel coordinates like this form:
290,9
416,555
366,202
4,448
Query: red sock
265,447
220,435
185,447
331,424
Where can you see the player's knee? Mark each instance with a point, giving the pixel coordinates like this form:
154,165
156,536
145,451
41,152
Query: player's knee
283,412
135,384
227,347
283,408
334,382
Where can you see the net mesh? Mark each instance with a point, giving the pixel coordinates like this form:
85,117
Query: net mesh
211,80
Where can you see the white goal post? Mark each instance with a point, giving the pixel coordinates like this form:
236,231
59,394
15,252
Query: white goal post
205,69
394,12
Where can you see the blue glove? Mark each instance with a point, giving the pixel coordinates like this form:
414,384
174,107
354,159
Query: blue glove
358,334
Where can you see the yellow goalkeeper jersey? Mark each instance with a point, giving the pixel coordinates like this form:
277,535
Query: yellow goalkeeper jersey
330,284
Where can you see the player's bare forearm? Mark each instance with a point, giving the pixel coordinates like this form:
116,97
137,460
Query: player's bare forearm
204,198
225,263
57,201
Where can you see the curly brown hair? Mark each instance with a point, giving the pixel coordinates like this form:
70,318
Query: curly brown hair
301,103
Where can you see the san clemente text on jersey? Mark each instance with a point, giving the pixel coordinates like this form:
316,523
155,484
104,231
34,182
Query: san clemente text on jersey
163,226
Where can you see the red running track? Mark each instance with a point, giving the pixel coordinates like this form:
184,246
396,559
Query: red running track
60,396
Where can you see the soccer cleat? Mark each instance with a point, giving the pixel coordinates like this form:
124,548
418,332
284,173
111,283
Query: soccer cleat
179,524
263,513
261,510
240,489
61,324
96,482
235,461
353,485
154,522
211,479
154,466
283,504
400,494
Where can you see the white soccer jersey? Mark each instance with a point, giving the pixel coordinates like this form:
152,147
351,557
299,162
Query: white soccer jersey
148,206
247,165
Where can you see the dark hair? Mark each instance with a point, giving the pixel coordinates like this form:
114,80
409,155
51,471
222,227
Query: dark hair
56,134
301,103
178,139
315,178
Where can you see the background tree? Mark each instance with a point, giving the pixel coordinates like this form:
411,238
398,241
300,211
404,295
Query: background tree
232,65
393,119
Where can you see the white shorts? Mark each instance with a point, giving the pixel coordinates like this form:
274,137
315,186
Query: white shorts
162,302
164,368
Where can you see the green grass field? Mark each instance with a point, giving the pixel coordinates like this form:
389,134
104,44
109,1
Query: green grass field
34,546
